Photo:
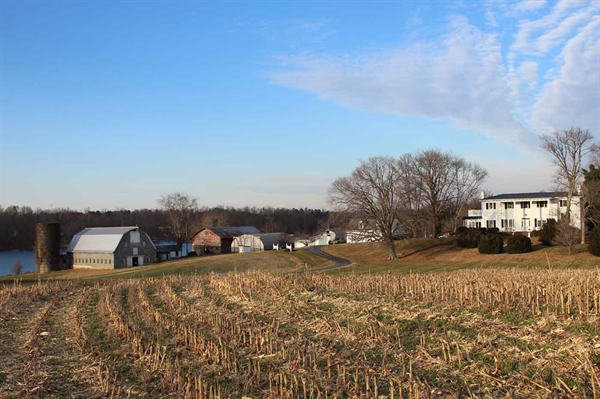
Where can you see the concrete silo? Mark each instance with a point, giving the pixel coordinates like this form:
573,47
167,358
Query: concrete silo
47,247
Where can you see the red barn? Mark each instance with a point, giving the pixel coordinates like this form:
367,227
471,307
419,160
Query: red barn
217,240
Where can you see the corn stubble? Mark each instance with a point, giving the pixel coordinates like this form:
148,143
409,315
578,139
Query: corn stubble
473,333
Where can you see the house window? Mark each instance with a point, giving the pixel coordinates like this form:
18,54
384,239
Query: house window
541,204
491,224
490,205
525,204
539,223
508,223
563,203
135,251
509,205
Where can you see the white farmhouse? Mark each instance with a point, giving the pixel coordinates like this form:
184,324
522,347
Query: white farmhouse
523,212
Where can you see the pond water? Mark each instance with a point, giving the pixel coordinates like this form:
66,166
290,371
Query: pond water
7,261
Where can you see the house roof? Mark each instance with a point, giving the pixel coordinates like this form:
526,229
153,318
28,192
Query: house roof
167,248
232,232
98,239
550,194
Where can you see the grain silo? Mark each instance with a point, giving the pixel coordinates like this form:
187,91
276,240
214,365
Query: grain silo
47,247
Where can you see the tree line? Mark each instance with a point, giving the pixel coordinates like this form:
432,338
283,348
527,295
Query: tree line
17,223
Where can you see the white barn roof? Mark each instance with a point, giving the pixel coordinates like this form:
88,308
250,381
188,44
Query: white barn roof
98,239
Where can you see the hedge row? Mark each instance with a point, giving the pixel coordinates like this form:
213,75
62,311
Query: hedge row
488,241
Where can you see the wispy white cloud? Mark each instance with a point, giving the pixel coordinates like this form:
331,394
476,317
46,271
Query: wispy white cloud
509,84
538,36
569,93
528,73
460,79
572,97
529,5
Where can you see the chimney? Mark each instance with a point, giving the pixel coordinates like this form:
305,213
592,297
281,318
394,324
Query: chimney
482,195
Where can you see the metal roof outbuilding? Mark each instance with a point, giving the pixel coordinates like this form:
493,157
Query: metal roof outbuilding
98,239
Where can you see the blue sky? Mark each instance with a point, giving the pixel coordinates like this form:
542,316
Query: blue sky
112,104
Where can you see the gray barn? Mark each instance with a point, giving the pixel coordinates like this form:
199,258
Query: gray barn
111,248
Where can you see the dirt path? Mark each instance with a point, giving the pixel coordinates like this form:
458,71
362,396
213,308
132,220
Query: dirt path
337,262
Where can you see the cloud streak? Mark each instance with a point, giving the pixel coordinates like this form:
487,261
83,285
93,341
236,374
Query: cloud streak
460,79
506,87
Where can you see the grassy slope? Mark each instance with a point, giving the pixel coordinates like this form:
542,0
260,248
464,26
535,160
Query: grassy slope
417,255
271,260
424,255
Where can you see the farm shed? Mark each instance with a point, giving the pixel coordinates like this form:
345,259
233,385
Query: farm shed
259,242
331,236
217,240
111,248
168,249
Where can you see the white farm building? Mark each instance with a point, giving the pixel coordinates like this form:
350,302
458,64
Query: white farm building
111,248
328,237
259,242
523,212
368,232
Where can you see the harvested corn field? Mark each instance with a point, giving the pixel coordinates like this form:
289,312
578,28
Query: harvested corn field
472,333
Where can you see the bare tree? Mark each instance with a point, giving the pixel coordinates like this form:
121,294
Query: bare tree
467,179
181,208
17,267
595,154
441,181
372,190
215,218
568,149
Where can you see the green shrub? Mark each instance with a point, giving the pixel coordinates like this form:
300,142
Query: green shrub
594,244
518,244
469,238
535,233
492,230
548,232
490,244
